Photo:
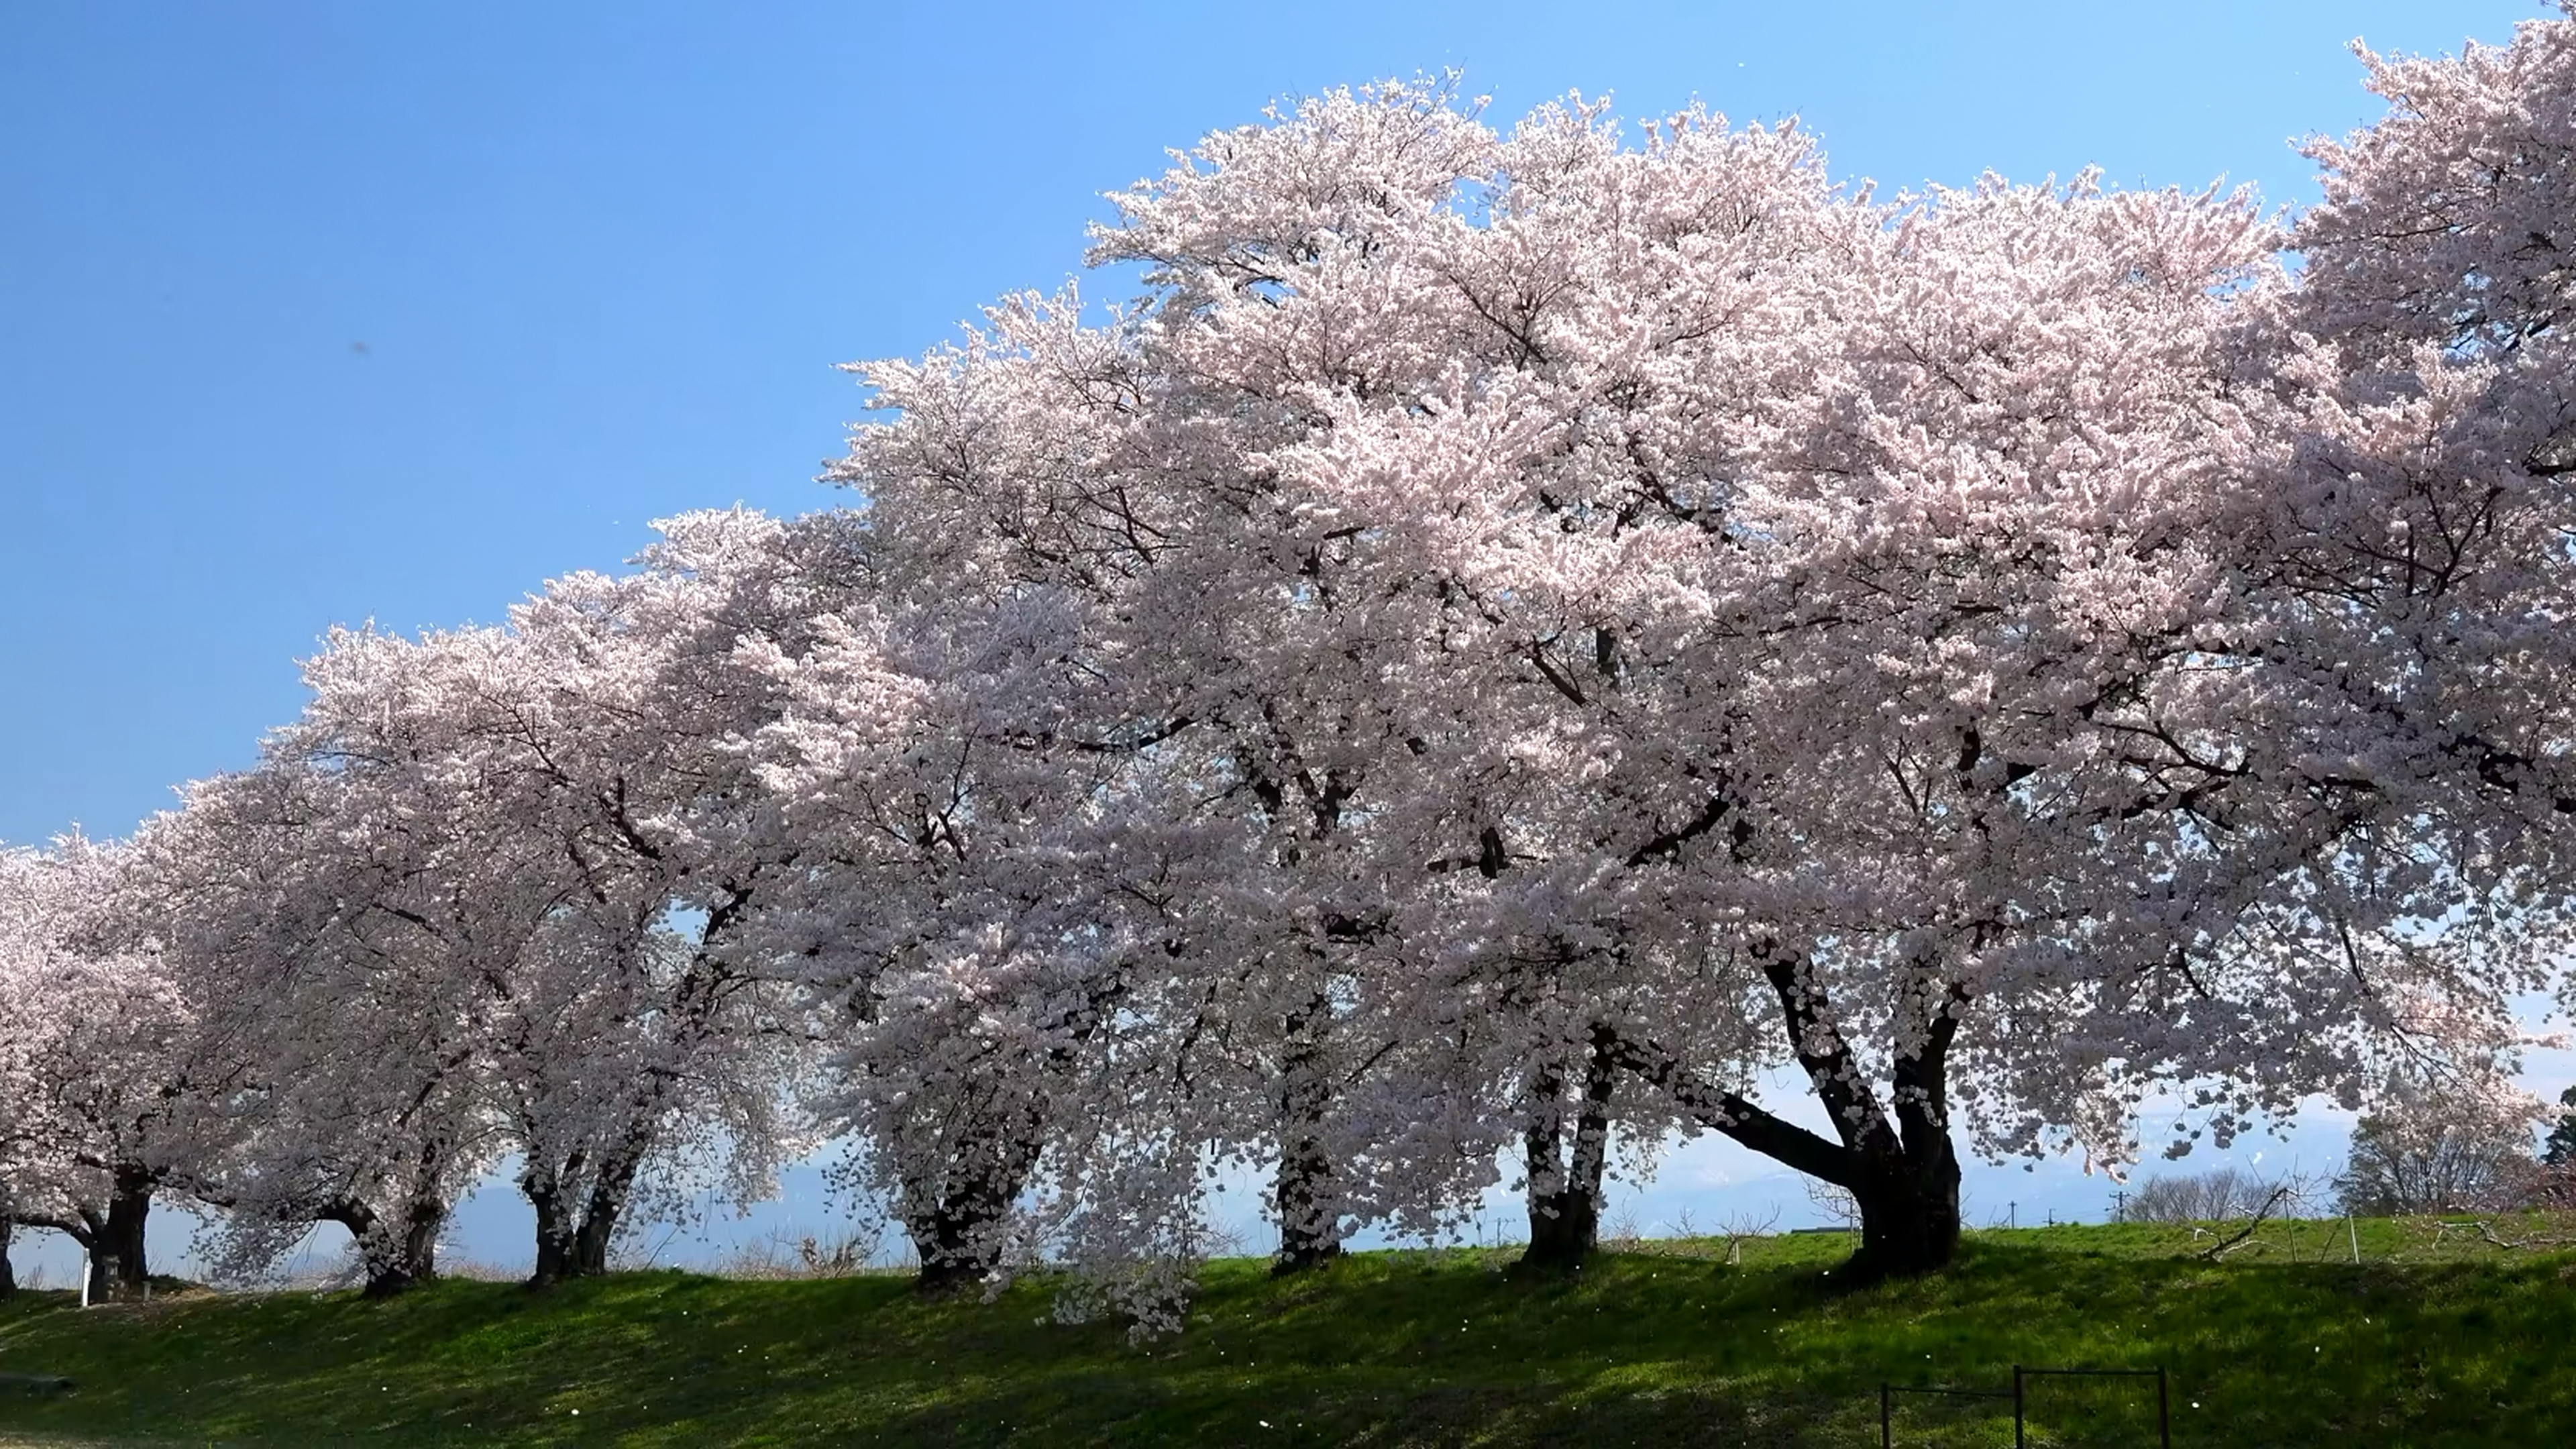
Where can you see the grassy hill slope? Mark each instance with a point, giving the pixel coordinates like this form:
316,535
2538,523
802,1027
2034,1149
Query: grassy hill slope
2455,1342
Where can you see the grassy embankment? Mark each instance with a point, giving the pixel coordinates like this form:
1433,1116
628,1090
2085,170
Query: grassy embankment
2456,1342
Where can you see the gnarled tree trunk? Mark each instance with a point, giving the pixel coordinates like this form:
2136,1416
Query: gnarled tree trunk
8,1270
1908,1194
1310,1228
575,1228
1903,1174
418,1261
398,1253
120,1266
956,1221
572,1234
113,1238
1309,1233
600,1215
1564,1186
556,1227
1904,1177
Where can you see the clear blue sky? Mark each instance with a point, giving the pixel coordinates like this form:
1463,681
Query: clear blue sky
317,313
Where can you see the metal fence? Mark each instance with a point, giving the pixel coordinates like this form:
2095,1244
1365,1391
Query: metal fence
2019,1395
1888,1394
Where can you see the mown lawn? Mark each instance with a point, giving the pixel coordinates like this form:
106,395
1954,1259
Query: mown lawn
2463,1343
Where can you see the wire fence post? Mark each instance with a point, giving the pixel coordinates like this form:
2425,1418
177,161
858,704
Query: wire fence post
2017,1431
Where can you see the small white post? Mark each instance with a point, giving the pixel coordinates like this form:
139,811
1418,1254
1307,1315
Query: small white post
2354,1234
84,1277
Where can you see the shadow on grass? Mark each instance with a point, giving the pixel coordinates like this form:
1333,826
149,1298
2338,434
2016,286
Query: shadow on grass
1400,1348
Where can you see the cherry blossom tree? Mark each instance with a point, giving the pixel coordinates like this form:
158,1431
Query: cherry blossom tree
582,845
943,791
1219,769
2429,492
308,912
1704,620
106,1086
2442,1141
1517,643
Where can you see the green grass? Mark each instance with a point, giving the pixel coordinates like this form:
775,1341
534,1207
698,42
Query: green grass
2456,1343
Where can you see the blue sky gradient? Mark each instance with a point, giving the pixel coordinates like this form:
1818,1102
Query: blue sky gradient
322,313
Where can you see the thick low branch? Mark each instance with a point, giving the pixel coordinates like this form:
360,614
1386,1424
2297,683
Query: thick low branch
1727,1113
1823,1055
78,1232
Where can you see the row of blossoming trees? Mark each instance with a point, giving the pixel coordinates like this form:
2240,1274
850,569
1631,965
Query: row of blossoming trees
1516,638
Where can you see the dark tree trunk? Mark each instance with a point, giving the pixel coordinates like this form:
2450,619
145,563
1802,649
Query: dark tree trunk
1909,1208
953,1242
366,1236
419,1260
8,1271
397,1256
958,1235
119,1266
958,1192
555,1229
112,1239
412,1257
599,1220
86,1228
1903,1177
1309,1230
1310,1226
573,1235
1564,1190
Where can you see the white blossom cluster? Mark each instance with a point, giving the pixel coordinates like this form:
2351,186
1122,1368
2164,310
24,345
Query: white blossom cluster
1514,634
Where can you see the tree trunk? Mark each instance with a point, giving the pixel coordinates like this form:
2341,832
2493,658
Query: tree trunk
951,1240
599,1220
958,1234
1909,1208
1904,1177
1310,1229
555,1228
956,1237
412,1258
8,1271
419,1260
397,1256
573,1235
119,1266
1907,1181
87,1227
960,1180
1564,1190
